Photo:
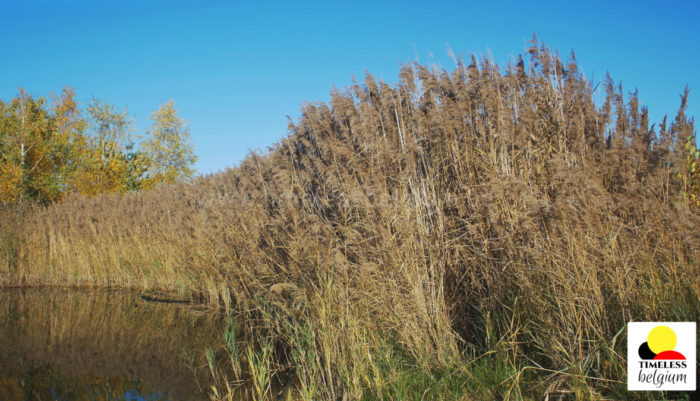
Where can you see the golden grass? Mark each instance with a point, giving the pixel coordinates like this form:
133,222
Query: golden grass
426,226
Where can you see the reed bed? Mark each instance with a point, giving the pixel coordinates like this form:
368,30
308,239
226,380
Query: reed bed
481,233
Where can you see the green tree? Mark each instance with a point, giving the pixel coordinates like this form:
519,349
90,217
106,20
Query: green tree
168,148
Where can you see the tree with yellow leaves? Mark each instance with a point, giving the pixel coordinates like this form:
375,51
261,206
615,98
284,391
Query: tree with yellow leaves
49,150
168,151
106,160
35,146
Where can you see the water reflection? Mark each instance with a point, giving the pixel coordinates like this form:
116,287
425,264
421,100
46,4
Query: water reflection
102,345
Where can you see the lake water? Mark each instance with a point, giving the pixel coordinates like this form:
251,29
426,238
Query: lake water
66,344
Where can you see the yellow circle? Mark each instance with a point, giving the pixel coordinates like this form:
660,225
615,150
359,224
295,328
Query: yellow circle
660,339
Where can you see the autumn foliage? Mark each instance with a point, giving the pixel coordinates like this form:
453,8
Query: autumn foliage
51,149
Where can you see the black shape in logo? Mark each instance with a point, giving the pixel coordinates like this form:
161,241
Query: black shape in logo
645,352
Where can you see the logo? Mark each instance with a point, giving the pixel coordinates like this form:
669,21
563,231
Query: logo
661,356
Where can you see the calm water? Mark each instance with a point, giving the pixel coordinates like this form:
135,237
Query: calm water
102,345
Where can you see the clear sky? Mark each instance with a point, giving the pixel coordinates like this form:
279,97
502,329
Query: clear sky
237,69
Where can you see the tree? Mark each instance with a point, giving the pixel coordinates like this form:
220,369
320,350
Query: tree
70,126
106,160
48,149
35,146
168,149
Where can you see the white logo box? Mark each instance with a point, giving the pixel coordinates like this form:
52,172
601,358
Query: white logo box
661,375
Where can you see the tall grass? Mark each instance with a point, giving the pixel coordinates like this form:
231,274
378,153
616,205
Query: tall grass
481,232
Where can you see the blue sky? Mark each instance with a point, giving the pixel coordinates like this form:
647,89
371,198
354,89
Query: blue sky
237,69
